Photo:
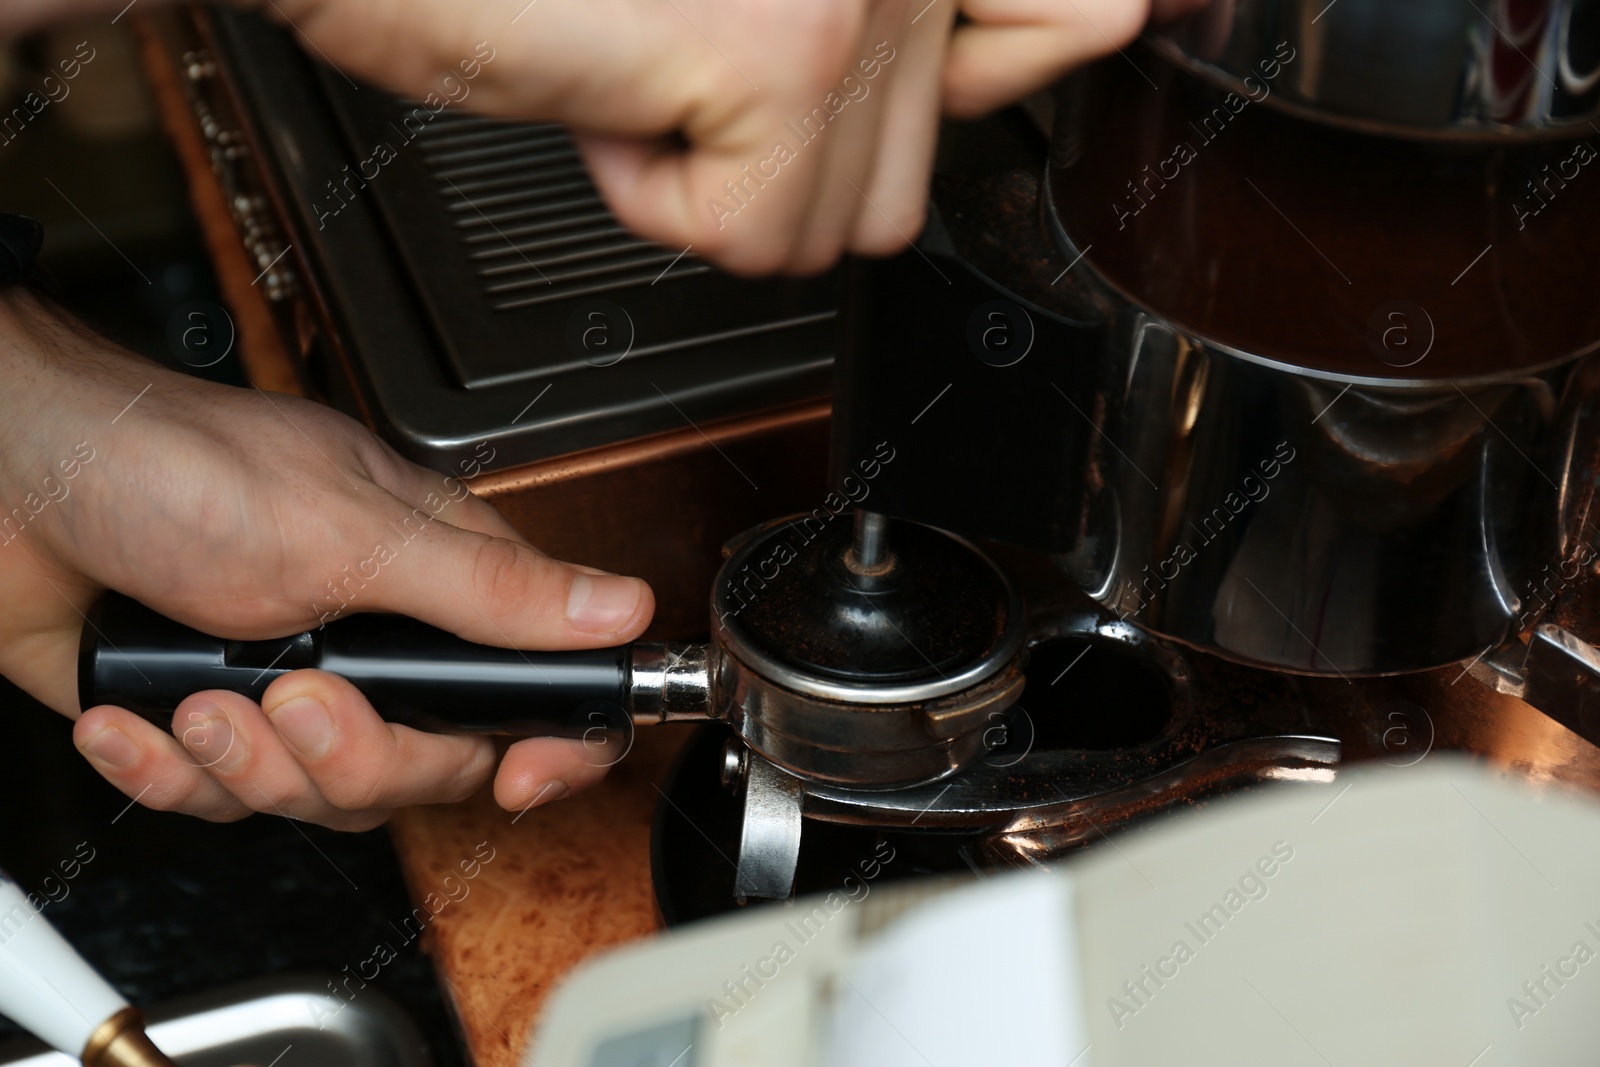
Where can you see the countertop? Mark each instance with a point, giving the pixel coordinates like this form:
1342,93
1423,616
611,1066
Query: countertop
565,881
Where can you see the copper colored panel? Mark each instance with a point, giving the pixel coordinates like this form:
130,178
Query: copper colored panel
662,507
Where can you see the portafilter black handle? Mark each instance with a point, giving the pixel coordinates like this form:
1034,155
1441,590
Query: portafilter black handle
412,673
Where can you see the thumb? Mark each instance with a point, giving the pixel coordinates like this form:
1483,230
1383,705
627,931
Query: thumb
644,183
498,591
671,195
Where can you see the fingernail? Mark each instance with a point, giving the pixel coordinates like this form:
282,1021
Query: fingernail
305,724
602,604
554,789
209,736
113,747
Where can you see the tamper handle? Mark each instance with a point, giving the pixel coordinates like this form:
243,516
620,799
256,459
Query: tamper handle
412,673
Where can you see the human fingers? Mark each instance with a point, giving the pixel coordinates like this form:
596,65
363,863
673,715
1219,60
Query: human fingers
851,124
355,760
538,770
1011,48
739,177
738,202
897,194
500,591
229,738
151,766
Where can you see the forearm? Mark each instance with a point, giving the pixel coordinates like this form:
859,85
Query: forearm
40,368
37,346
60,380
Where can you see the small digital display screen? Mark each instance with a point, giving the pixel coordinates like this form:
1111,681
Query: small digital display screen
669,1044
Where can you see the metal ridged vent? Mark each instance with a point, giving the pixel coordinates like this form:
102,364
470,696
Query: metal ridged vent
532,224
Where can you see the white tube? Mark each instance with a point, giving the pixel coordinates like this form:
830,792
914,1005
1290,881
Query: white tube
45,985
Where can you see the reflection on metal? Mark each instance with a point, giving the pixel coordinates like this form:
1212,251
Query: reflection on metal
1060,786
1386,530
1438,68
769,843
822,667
669,683
120,1041
1045,833
1562,679
254,1023
870,554
1052,800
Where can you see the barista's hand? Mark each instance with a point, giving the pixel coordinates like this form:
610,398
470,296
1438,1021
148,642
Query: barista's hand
232,510
692,113
1009,48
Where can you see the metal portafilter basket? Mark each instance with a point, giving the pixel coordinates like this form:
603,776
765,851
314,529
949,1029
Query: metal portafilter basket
864,660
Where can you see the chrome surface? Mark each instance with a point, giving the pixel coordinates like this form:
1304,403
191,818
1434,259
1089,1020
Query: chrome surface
1431,67
1048,798
735,764
1306,523
994,661
1061,788
863,744
256,1022
1040,834
1561,677
669,683
876,744
870,554
769,838
881,735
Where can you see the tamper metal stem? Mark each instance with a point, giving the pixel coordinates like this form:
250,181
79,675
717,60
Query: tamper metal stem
869,554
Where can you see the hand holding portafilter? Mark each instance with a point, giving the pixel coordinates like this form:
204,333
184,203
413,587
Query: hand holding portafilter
680,113
48,988
254,514
413,674
874,661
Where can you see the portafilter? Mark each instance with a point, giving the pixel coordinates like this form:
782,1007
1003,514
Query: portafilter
871,659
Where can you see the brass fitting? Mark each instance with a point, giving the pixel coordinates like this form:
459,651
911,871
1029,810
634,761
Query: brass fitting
120,1041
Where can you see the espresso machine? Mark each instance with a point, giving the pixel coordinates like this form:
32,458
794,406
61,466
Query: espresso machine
1235,389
